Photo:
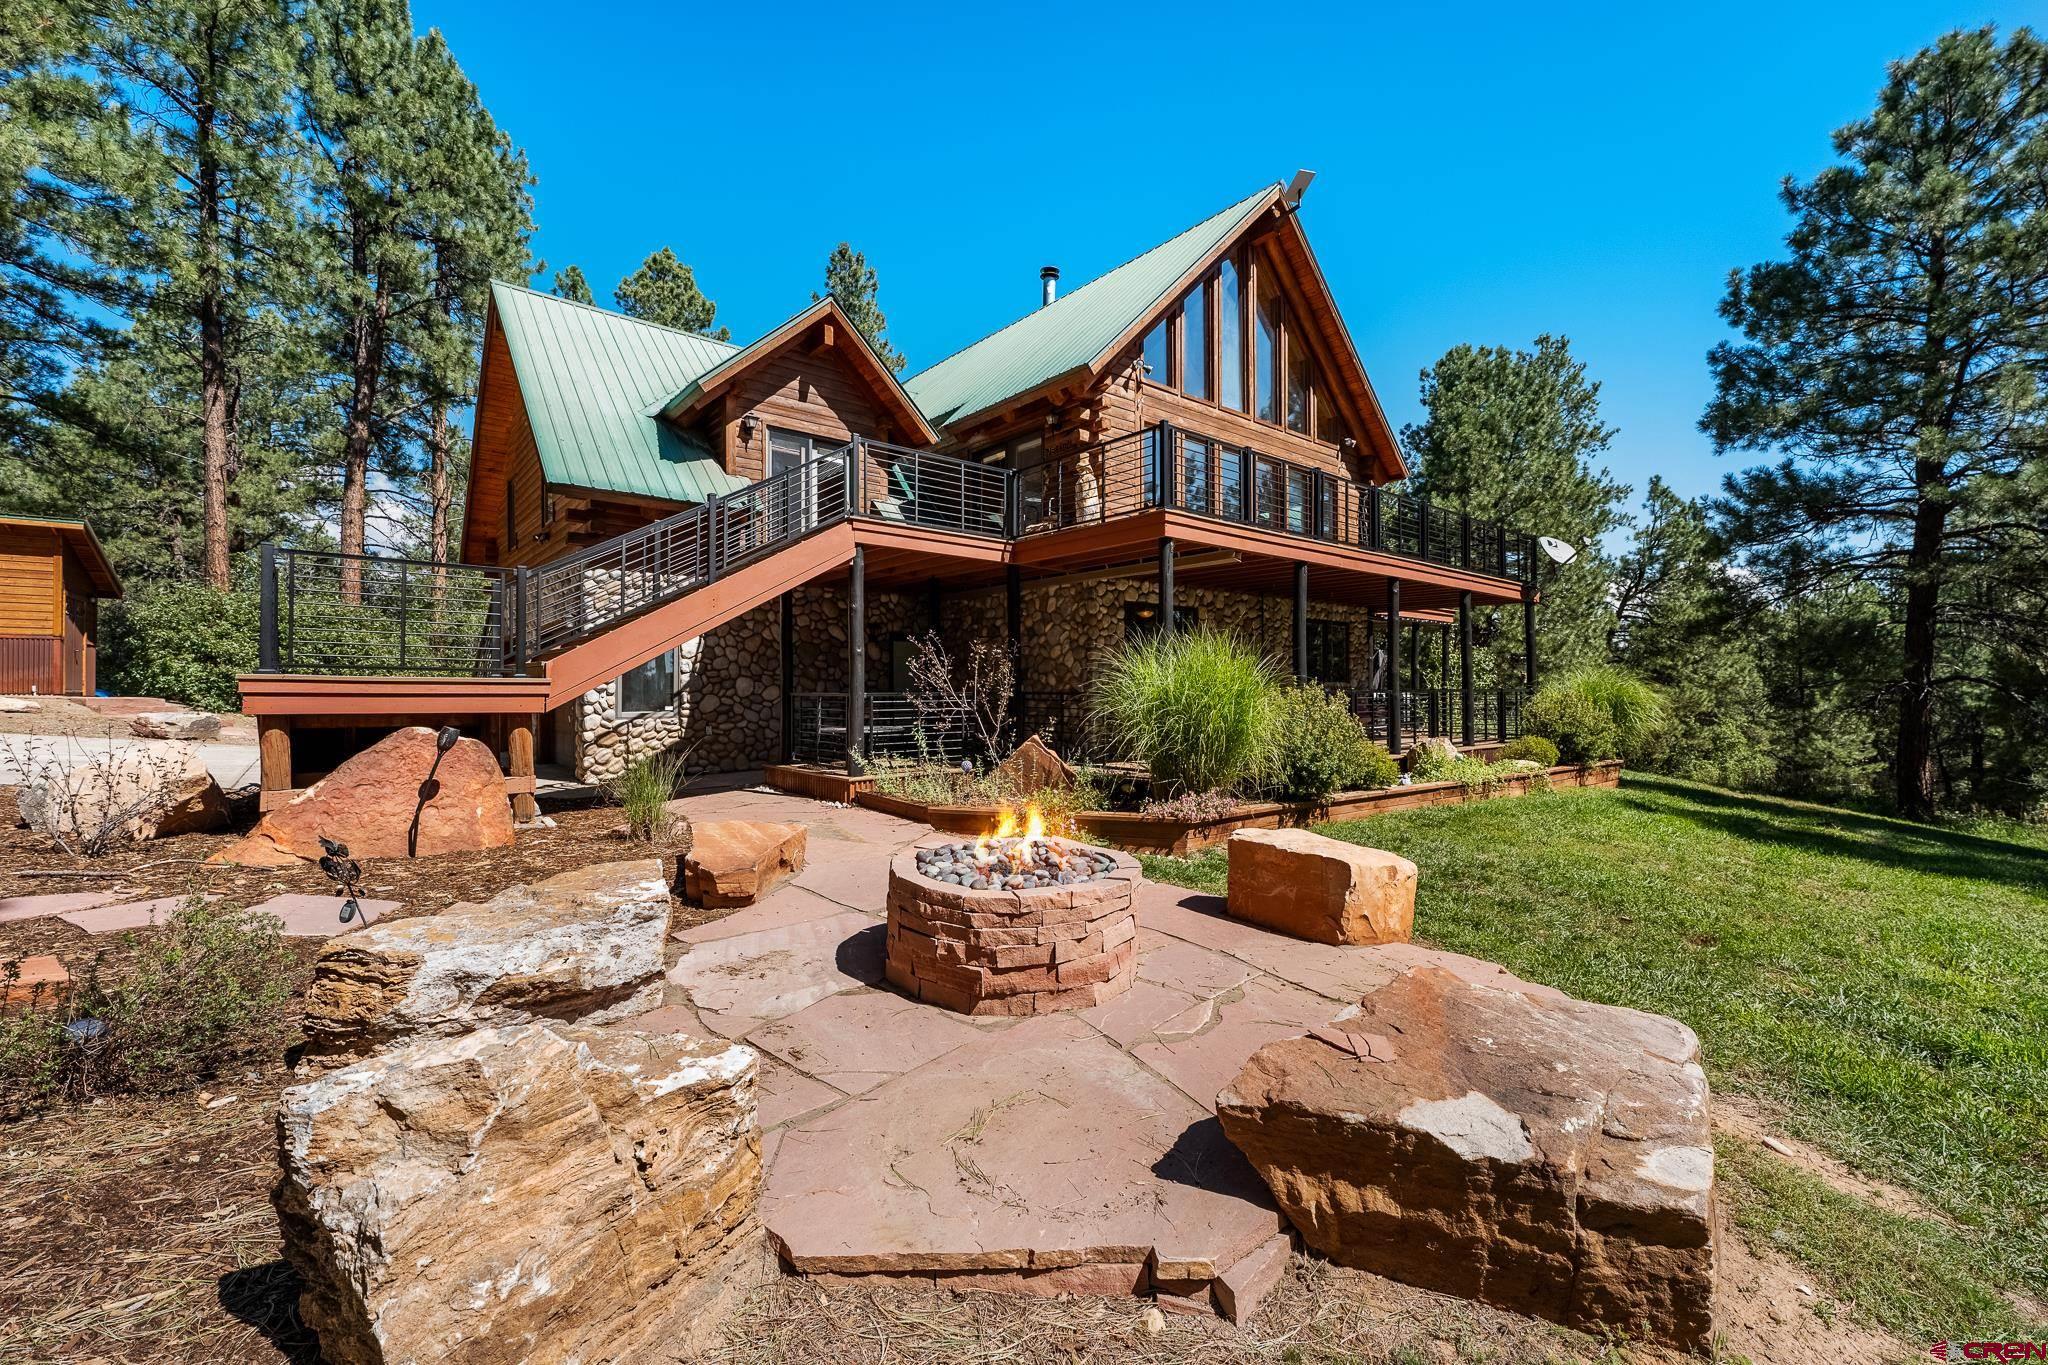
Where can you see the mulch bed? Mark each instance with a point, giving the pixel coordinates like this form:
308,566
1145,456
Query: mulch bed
139,1228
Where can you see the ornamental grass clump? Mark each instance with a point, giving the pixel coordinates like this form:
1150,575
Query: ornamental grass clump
1599,713
1200,709
644,790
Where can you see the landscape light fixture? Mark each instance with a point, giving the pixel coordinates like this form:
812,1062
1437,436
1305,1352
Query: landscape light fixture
431,788
1559,552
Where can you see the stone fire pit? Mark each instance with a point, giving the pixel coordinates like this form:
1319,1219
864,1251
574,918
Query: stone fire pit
1038,925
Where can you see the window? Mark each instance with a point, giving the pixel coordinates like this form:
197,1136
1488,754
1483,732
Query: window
1230,336
1266,350
1329,652
650,687
1300,382
1155,355
1142,618
1196,380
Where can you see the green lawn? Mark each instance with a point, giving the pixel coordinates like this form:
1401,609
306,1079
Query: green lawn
1883,984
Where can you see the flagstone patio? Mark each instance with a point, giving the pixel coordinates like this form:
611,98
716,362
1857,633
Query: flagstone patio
1065,1152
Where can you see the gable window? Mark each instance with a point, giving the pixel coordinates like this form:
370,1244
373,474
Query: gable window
1155,355
1266,351
1300,382
1196,380
1230,336
650,687
1200,348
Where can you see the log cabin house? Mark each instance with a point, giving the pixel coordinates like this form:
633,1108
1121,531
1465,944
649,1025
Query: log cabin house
670,540
52,575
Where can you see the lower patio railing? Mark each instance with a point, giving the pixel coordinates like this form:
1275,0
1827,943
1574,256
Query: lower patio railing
898,728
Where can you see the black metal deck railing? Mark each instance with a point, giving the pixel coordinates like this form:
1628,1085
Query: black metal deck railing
898,728
324,612
1169,467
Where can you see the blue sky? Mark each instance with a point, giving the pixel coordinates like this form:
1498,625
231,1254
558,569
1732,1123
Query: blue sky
1484,173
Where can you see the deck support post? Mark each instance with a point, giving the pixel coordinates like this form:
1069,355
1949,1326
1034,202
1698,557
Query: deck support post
273,757
1300,621
266,610
519,762
1529,639
1465,664
1394,745
1013,625
857,665
788,637
1166,612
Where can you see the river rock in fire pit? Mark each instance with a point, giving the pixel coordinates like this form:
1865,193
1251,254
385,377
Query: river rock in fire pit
1012,926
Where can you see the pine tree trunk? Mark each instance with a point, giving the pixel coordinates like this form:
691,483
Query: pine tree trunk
1915,795
365,365
216,433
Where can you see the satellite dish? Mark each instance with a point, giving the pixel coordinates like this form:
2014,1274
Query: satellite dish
1559,552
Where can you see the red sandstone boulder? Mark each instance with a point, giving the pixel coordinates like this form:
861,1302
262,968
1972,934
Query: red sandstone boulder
1032,767
1498,1141
1319,888
736,862
370,801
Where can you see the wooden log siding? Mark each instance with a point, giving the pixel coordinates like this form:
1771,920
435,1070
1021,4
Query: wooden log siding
813,391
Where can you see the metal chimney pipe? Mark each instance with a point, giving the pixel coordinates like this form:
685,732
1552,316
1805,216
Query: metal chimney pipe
1049,280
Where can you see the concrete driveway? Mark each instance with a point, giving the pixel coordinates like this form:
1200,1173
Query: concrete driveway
232,765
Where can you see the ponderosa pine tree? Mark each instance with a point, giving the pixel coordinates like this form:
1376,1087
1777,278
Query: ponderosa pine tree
1513,435
852,281
59,152
199,235
1897,360
361,113
664,291
570,284
474,211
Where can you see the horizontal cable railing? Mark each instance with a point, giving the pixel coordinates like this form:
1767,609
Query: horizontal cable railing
817,727
327,612
332,613
1165,466
900,726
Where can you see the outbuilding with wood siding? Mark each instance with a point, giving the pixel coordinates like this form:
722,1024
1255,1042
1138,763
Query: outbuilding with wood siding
52,574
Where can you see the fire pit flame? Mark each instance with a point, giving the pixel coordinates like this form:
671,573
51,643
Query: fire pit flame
1016,855
1006,850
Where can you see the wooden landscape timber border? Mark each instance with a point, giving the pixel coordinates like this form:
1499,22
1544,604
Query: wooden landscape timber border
1180,838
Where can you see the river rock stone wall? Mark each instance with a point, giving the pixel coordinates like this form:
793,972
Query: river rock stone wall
729,681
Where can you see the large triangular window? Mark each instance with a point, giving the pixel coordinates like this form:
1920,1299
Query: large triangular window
1235,339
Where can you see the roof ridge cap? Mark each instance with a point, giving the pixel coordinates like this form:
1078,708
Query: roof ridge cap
1083,288
552,297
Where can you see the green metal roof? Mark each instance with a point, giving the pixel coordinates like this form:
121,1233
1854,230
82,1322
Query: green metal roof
588,378
1075,330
